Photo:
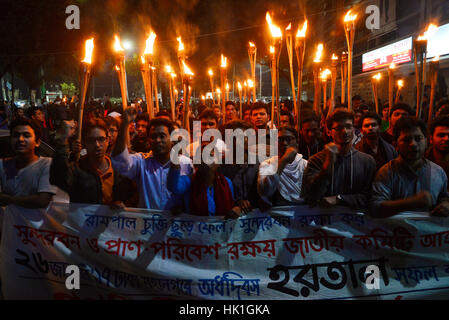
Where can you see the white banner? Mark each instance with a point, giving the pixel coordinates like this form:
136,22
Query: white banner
288,253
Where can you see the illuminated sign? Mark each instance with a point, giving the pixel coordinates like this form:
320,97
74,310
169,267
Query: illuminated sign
438,44
398,52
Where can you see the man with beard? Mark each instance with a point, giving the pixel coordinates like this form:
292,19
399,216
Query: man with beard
372,143
280,177
410,182
150,171
340,174
140,142
439,140
24,179
91,179
310,141
397,112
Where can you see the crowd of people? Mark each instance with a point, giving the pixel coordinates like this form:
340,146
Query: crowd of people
381,164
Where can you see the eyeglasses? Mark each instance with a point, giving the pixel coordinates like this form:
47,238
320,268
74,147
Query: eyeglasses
346,126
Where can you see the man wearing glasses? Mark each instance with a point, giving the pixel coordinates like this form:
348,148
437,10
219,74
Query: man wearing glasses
339,175
280,177
410,182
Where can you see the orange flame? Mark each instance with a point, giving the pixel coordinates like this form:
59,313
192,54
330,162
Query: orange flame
377,77
349,17
392,66
117,44
319,53
150,43
218,90
431,29
325,74
203,97
436,59
245,84
272,49
173,75
334,57
400,83
117,68
289,27
239,85
275,30
168,69
252,45
181,45
302,32
227,86
142,58
250,83
223,61
211,73
89,50
187,69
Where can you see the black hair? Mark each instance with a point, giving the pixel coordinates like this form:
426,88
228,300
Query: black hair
338,115
162,113
113,121
402,106
259,105
92,124
32,111
309,116
290,129
408,123
22,121
142,117
156,122
208,113
441,121
290,117
237,124
371,115
230,103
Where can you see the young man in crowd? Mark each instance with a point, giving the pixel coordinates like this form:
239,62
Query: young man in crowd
231,112
397,112
340,174
286,119
38,115
140,142
280,177
260,116
208,120
310,141
217,109
91,179
372,143
150,171
24,179
410,182
439,140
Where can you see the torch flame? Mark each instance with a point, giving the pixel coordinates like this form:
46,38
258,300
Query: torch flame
325,74
142,58
245,84
275,30
393,66
302,32
187,69
289,27
218,90
181,45
400,83
239,85
431,29
173,75
377,76
436,59
227,86
168,69
203,97
211,73
117,68
272,49
223,61
89,50
117,44
250,83
319,53
150,43
334,57
252,45
349,17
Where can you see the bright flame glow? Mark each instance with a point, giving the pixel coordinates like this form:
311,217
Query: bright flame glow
168,69
250,83
400,83
272,49
173,75
325,74
349,17
117,68
319,53
252,45
334,57
187,69
393,66
302,32
275,30
245,84
89,50
239,85
117,44
431,29
377,77
223,61
203,97
211,73
142,58
227,86
218,90
289,27
436,59
181,45
150,43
